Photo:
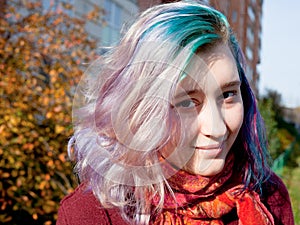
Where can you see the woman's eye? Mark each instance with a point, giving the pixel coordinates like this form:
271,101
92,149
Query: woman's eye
189,103
229,94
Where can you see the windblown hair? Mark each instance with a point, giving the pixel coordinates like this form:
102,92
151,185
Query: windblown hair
122,115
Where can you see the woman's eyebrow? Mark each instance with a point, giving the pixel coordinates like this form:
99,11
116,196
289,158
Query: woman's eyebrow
186,93
231,84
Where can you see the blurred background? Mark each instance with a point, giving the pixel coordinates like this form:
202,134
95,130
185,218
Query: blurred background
45,46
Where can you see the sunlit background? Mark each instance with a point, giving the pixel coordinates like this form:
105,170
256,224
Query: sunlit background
280,55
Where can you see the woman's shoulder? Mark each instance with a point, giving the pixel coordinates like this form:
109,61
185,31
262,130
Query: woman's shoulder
82,207
276,197
275,189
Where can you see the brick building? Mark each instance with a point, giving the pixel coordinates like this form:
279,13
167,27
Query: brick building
245,17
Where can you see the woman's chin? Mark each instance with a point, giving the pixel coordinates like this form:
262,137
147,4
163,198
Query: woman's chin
207,169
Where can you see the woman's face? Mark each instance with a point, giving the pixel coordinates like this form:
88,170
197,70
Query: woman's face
209,106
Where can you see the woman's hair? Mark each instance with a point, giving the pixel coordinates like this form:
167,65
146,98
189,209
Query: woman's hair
122,115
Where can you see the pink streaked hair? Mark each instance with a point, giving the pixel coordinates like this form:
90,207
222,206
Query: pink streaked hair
122,113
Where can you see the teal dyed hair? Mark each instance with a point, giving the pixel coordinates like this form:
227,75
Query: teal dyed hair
190,26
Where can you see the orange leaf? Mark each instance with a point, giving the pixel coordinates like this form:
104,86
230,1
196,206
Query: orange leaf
59,129
35,216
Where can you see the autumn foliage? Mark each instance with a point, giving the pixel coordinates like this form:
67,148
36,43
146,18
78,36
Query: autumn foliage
42,53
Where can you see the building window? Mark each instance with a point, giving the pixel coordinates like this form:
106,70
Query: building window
65,6
251,13
234,16
46,5
249,73
249,53
250,35
113,19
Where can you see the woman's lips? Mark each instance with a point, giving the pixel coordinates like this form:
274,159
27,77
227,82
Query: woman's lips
209,147
209,150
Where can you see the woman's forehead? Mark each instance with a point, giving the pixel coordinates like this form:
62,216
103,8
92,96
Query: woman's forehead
217,66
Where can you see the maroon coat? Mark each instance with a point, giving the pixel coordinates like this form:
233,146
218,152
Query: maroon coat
82,208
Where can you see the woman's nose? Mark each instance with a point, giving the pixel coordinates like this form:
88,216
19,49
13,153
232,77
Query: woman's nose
211,121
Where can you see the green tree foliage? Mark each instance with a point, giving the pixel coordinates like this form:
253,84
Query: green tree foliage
282,135
268,114
41,56
276,102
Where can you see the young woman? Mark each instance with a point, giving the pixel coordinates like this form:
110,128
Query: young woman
167,130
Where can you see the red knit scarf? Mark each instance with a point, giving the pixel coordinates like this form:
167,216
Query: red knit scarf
202,200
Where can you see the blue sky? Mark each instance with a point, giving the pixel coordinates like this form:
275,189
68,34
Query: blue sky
280,56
